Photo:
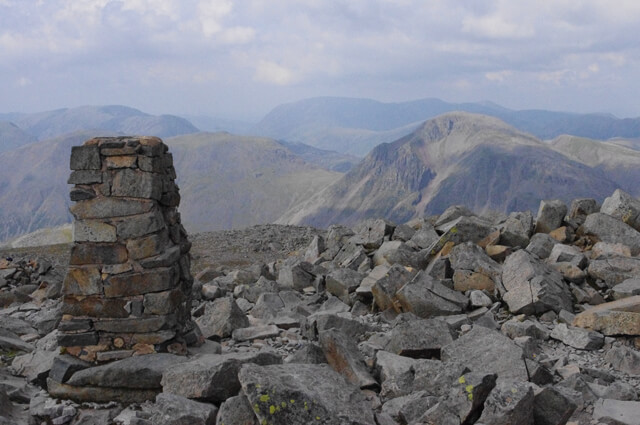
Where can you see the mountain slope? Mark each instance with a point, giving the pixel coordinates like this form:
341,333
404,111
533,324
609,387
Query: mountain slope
329,160
50,124
619,163
12,136
357,125
33,189
226,181
229,181
455,158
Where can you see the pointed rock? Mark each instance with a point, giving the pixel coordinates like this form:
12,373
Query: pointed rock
532,286
221,317
624,207
384,289
550,215
510,402
552,407
343,356
426,297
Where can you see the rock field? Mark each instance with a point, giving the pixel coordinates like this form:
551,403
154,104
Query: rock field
456,319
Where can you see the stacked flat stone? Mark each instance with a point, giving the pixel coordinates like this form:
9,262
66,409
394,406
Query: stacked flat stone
127,288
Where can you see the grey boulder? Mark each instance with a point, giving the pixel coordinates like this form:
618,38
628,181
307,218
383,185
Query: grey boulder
483,349
533,287
301,394
212,377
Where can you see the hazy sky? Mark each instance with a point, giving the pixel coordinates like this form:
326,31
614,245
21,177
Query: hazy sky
238,59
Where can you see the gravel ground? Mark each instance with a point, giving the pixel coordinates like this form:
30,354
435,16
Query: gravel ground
224,248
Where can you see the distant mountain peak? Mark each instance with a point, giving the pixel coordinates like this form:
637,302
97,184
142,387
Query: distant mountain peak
455,158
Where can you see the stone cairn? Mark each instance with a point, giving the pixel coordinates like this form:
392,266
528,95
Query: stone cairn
127,290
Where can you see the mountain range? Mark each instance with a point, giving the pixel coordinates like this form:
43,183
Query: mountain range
470,159
114,118
226,181
417,167
356,126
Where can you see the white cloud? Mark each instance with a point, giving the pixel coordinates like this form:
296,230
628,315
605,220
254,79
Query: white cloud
496,26
23,82
498,76
286,49
211,14
272,73
238,35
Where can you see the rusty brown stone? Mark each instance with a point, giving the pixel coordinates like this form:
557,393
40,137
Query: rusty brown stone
492,239
97,253
131,339
464,280
142,349
124,161
100,394
135,324
86,353
163,302
147,246
111,152
110,207
129,284
562,234
139,225
136,184
621,317
498,252
83,281
94,306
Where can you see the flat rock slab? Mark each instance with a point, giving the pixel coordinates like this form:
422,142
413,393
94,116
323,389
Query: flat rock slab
483,349
300,394
256,332
624,359
628,288
609,229
10,341
171,409
623,412
420,338
615,269
100,394
139,372
212,377
579,338
621,317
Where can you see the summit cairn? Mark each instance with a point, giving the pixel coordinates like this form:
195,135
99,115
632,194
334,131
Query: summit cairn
127,290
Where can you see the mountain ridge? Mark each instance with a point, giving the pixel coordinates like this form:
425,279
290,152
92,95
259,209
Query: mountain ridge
454,158
355,126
